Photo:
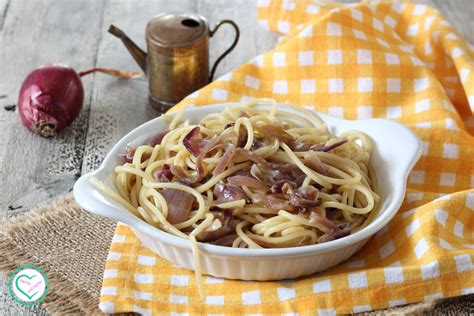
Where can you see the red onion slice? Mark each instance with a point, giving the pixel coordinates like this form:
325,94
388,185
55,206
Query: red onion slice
305,197
183,175
273,202
129,152
241,137
324,224
275,172
277,187
302,147
244,114
192,141
225,161
276,131
332,146
179,204
257,143
246,181
313,162
224,193
164,175
341,230
228,227
158,138
226,241
250,155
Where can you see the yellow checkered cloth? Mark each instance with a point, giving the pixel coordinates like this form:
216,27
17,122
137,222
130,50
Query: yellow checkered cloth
398,61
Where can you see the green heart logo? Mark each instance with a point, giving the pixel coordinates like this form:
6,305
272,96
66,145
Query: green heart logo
22,282
20,289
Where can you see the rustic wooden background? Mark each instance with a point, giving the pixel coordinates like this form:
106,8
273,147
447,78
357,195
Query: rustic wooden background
32,33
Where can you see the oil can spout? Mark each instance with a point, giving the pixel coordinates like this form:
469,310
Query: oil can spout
137,53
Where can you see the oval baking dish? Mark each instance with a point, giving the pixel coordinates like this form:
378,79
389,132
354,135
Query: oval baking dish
396,150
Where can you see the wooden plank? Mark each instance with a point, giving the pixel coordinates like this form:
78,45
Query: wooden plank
35,169
120,105
3,11
254,39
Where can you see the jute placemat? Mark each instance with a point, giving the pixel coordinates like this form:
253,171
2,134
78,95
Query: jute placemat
71,246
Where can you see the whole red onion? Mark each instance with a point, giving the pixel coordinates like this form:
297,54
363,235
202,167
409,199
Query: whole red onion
51,97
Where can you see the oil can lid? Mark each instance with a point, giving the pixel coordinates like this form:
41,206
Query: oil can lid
172,30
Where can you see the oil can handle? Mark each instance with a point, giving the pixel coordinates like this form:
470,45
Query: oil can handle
228,50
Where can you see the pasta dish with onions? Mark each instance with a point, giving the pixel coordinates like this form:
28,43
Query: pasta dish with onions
251,178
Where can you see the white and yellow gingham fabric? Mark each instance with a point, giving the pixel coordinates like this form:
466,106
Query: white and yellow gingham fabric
398,61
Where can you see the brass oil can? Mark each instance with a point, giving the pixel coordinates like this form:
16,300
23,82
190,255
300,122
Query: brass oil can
177,61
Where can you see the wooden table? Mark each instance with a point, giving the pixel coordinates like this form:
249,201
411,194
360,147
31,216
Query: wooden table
33,169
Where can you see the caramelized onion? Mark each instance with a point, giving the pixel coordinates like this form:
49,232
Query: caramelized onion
200,148
332,146
179,171
325,225
216,143
257,143
250,155
304,197
228,193
276,131
272,173
225,161
129,152
209,144
227,224
244,114
246,181
179,204
273,202
277,186
183,175
267,175
317,147
341,230
158,138
301,146
241,137
164,175
313,162
289,169
226,241
192,141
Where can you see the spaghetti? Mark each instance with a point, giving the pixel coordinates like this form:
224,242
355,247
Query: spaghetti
250,177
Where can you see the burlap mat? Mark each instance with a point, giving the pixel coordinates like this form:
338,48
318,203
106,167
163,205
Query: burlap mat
71,246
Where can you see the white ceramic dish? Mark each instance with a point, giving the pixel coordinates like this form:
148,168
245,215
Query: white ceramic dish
396,150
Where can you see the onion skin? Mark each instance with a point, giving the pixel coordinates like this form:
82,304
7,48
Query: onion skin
50,99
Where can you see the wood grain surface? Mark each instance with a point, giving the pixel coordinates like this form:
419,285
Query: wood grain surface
32,33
